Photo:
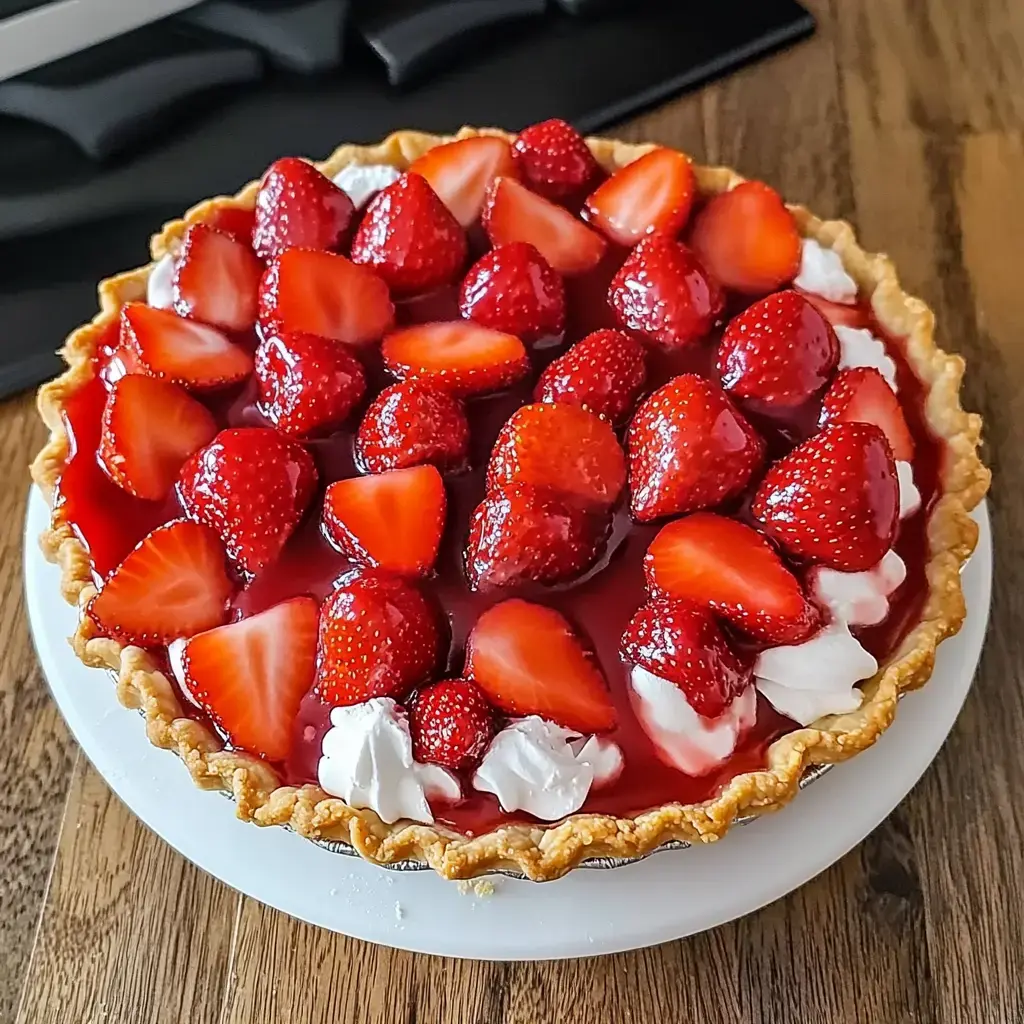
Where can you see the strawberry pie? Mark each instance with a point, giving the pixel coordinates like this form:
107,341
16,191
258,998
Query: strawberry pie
507,501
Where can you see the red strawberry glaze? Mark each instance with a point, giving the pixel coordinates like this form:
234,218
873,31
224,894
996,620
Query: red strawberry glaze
600,604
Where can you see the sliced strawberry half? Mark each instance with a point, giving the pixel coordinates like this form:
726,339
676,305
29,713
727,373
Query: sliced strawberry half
217,279
250,676
512,213
183,351
748,240
409,237
173,583
323,293
663,292
459,172
411,423
730,568
780,351
680,642
459,356
235,221
834,499
862,395
451,724
528,661
379,637
252,486
306,383
689,449
513,289
392,520
521,534
149,428
298,206
603,372
554,159
559,448
652,195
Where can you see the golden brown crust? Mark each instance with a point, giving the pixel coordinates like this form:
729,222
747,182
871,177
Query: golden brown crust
544,852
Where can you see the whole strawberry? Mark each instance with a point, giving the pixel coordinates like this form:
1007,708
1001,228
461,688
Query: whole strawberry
603,372
513,289
252,486
834,499
689,449
379,637
553,159
410,238
663,292
451,724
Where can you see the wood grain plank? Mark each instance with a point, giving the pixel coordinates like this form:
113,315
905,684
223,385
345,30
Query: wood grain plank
36,752
131,931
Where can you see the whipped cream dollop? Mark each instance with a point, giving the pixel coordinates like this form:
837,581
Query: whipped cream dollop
160,285
361,181
822,273
859,347
536,766
367,761
910,496
858,598
693,744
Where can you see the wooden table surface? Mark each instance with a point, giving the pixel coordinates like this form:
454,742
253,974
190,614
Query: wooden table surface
904,116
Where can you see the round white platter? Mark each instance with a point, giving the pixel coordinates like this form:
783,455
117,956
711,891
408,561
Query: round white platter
667,896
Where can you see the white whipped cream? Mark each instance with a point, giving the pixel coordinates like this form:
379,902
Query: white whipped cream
822,273
858,598
536,766
910,496
367,761
160,285
693,744
361,181
859,347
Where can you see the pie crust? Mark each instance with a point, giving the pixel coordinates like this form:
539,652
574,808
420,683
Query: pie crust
542,852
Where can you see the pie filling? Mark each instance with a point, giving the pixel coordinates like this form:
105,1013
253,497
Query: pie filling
661,749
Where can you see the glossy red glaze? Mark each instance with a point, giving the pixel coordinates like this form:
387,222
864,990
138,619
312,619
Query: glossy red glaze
600,604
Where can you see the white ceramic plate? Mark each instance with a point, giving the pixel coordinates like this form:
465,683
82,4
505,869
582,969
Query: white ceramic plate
667,896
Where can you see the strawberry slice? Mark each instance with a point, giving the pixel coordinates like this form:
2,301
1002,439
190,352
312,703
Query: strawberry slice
459,172
689,449
838,314
461,357
780,351
520,534
297,206
250,676
451,724
559,448
306,383
182,351
678,641
216,280
663,292
862,395
513,289
528,661
232,220
322,293
834,499
149,428
728,567
410,238
554,159
748,240
379,637
391,520
652,195
512,213
252,486
603,372
410,423
173,583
